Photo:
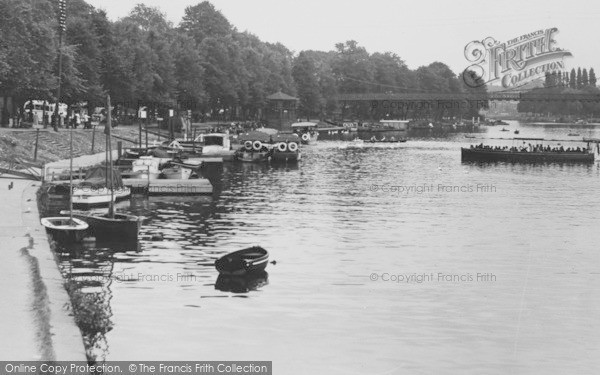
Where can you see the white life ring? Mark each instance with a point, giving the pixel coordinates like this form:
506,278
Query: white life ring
257,145
282,147
248,145
305,137
293,146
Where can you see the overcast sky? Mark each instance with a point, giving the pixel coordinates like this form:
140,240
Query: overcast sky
419,31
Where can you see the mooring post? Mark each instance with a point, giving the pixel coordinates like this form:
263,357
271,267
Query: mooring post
119,148
37,136
146,130
140,132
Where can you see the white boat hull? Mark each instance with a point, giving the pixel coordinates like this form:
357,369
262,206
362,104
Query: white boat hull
90,196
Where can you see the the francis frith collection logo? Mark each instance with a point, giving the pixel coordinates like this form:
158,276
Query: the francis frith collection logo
515,62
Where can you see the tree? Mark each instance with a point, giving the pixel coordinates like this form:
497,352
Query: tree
584,77
203,20
572,79
305,75
592,77
579,81
28,48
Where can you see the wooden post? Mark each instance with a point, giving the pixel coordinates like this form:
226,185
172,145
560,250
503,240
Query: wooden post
140,132
93,137
146,129
194,140
120,148
37,136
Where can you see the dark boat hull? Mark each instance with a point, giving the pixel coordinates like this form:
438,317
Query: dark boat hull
285,157
468,154
123,228
69,236
243,262
66,234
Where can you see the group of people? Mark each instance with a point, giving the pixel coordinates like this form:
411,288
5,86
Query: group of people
530,148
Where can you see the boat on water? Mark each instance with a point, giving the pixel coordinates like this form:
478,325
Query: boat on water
285,148
307,131
528,154
121,227
286,152
65,229
110,226
516,132
97,190
146,167
253,152
574,134
176,172
387,140
504,130
242,262
207,145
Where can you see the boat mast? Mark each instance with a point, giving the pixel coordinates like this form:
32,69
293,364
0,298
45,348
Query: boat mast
111,205
71,176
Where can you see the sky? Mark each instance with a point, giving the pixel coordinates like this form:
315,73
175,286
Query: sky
419,31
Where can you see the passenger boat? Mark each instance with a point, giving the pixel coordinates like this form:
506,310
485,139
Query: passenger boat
285,148
94,191
65,229
286,152
241,262
253,152
537,155
307,132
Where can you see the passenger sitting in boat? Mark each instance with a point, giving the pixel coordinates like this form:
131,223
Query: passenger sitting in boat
373,139
393,139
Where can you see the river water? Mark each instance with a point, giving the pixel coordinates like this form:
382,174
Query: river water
390,259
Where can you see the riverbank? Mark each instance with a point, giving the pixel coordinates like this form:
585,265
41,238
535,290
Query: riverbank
37,321
54,146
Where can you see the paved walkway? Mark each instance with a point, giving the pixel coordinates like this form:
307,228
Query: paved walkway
36,321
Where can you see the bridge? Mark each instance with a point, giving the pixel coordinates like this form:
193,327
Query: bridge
451,97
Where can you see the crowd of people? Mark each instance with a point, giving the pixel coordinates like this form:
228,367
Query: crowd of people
531,148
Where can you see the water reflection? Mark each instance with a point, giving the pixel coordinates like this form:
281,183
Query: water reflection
242,284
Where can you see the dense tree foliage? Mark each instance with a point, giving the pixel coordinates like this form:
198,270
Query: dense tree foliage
560,85
203,64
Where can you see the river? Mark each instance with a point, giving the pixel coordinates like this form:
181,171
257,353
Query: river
389,259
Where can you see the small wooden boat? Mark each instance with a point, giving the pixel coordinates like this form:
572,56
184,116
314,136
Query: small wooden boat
241,262
146,167
574,134
516,132
123,227
504,130
65,229
402,140
176,172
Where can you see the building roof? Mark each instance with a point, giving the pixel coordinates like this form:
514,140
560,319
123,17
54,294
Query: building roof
280,96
